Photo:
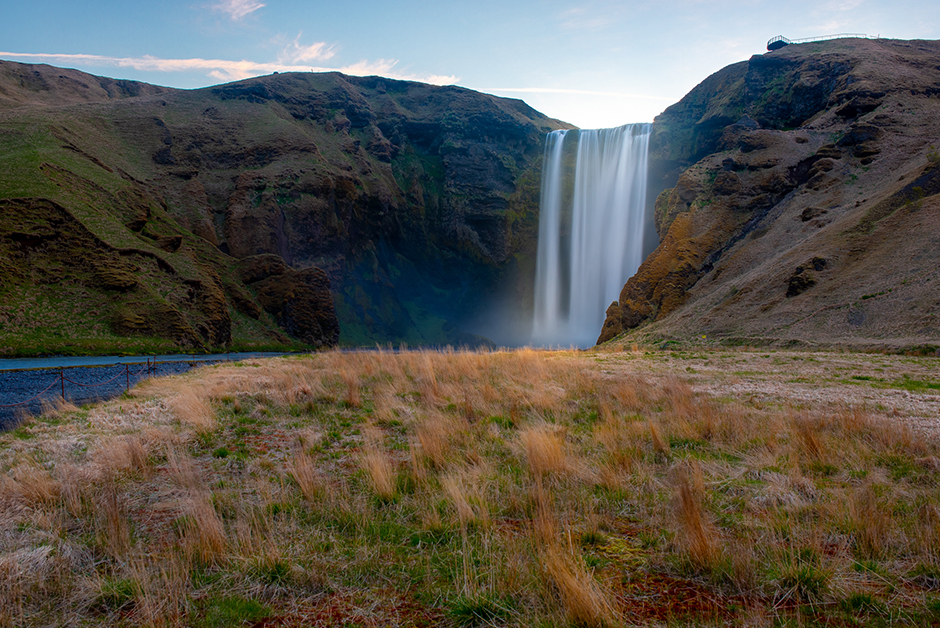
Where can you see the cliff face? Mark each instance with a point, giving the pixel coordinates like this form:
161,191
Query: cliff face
796,199
245,212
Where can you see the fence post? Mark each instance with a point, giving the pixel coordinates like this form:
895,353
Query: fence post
62,380
127,375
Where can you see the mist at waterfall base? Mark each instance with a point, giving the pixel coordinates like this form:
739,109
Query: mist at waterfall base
595,228
591,229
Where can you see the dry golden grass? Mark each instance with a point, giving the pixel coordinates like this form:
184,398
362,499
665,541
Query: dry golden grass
580,595
351,381
377,465
71,486
467,492
309,479
30,484
182,469
160,590
113,525
514,488
544,449
870,519
193,410
123,453
698,535
433,434
807,430
56,406
659,443
203,534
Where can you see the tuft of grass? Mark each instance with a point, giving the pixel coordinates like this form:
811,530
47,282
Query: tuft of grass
309,479
698,535
544,449
113,525
433,434
117,594
203,534
193,410
660,445
478,610
804,582
56,407
870,521
581,597
350,379
378,467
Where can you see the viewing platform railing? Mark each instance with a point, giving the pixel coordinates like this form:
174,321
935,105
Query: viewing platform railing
780,41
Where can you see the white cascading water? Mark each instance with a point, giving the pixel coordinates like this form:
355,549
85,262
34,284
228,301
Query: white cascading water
591,240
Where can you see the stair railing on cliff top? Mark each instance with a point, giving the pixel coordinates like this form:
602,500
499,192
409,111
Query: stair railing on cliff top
780,41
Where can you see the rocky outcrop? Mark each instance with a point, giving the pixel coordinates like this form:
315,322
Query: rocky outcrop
82,280
300,301
765,178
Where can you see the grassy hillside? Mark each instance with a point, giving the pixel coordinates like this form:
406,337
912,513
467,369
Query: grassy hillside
417,202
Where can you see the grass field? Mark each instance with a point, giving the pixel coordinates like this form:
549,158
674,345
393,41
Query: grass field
524,488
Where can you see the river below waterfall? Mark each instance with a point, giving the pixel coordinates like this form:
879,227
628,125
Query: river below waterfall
88,379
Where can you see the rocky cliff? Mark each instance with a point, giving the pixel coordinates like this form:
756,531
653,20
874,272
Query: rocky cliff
290,210
797,199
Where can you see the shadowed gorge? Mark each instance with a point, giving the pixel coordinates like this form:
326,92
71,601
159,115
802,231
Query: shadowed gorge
288,210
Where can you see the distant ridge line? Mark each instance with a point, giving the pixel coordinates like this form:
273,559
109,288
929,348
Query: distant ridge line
780,41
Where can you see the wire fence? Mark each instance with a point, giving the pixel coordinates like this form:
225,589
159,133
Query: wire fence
61,379
25,390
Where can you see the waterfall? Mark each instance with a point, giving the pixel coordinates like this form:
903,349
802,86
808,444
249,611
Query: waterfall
590,229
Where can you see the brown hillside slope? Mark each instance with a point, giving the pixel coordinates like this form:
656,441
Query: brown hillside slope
24,85
808,206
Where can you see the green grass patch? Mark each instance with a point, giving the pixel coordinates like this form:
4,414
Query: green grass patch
228,611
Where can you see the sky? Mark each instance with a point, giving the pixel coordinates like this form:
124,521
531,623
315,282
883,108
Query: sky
592,63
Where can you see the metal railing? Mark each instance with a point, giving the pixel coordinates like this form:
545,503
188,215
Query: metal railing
807,40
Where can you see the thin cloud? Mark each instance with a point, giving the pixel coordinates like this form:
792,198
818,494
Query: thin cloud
579,92
295,52
224,70
596,14
237,9
386,68
580,18
836,16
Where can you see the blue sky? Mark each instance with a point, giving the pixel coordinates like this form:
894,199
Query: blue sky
594,63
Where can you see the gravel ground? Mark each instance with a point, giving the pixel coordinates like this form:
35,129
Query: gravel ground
903,387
